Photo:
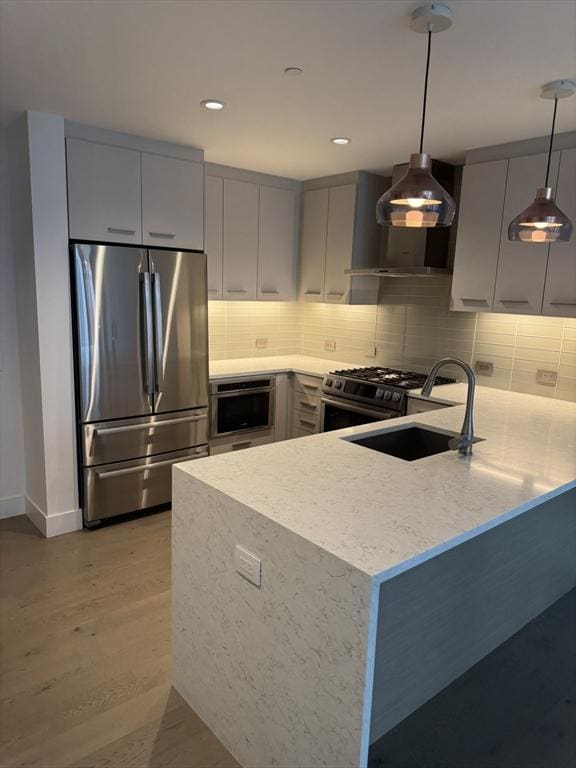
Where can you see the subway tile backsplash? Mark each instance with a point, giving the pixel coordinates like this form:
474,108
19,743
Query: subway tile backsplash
412,328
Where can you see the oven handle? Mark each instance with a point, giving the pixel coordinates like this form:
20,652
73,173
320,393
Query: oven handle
237,392
353,408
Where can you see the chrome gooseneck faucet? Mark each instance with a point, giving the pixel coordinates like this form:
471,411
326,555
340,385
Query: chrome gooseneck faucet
463,443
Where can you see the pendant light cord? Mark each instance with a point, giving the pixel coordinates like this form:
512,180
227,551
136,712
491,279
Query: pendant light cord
551,142
426,90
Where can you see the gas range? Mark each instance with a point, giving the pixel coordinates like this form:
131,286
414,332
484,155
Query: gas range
384,388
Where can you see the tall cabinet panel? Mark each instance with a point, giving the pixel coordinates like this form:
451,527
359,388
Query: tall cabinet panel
560,286
240,243
522,266
276,244
313,253
479,232
172,202
339,242
214,199
104,199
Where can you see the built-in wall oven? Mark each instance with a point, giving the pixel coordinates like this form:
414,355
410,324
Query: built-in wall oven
243,405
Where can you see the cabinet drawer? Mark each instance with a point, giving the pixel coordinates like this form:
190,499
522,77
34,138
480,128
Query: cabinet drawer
311,385
305,402
241,442
310,423
301,432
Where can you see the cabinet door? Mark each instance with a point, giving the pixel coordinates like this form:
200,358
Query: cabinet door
313,252
339,242
172,202
478,239
104,202
522,266
214,201
240,244
560,287
276,244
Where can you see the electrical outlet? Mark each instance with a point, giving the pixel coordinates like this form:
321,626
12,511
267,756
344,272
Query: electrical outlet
261,343
248,565
329,345
483,368
548,378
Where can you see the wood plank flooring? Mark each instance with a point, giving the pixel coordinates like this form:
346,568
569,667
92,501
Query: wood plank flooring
85,652
85,670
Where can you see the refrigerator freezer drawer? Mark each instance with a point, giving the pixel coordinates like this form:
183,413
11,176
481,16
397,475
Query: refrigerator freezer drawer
125,439
128,486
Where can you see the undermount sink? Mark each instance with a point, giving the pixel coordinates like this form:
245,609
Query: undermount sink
410,442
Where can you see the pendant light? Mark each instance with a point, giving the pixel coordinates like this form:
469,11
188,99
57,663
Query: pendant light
543,221
418,200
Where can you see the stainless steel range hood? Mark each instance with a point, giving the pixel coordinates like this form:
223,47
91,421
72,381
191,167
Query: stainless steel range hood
411,252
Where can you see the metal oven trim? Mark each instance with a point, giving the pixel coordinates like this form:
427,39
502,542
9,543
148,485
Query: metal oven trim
353,407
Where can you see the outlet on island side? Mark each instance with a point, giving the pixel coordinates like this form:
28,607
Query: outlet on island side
248,565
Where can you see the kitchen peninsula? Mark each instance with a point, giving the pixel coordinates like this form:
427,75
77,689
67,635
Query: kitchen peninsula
381,580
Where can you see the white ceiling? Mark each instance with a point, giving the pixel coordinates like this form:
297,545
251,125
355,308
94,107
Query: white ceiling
143,67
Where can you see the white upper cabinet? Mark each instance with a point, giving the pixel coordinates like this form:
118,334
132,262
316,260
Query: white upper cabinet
313,252
240,240
339,242
172,202
560,286
213,222
522,266
104,192
277,244
478,238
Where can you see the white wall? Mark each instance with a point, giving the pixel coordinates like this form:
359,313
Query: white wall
11,434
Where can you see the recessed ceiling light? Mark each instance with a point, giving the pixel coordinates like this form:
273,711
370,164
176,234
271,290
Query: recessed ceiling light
340,140
293,71
212,104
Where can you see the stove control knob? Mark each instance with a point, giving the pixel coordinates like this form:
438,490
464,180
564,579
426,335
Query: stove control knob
396,397
387,395
379,393
329,382
338,384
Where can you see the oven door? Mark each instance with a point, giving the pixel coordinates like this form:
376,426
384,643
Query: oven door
245,411
339,414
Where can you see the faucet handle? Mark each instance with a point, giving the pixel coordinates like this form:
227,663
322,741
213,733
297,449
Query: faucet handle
462,444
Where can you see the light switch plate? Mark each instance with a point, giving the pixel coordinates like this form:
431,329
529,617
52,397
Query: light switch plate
548,378
248,565
329,345
484,368
261,343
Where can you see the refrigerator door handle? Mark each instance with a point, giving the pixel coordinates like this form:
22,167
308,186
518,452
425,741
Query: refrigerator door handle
158,332
148,351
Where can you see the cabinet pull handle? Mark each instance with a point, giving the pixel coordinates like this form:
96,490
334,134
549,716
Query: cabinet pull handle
212,290
240,446
308,423
335,293
163,235
308,405
514,301
229,291
310,386
312,293
475,301
562,303
119,231
275,292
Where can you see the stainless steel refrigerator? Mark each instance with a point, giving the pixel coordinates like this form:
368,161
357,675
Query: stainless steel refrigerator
141,343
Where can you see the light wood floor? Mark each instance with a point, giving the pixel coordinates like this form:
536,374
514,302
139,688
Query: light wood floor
85,652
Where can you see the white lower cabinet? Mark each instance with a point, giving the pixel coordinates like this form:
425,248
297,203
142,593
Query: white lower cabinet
306,404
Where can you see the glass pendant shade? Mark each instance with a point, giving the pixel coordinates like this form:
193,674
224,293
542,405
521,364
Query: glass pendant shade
541,222
417,199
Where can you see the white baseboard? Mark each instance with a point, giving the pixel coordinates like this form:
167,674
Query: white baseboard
54,525
12,506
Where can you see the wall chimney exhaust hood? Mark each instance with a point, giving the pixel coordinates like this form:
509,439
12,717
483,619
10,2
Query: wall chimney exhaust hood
418,251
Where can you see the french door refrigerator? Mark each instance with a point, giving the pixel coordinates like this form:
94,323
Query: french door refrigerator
141,353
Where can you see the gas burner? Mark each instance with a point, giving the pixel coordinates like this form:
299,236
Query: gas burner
389,376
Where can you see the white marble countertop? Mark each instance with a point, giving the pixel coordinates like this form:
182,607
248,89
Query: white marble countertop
313,366
384,515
